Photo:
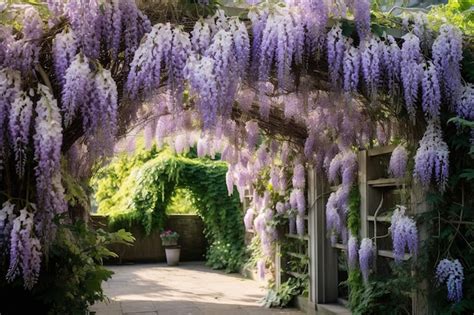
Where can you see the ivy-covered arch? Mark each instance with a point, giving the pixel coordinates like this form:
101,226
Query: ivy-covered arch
147,190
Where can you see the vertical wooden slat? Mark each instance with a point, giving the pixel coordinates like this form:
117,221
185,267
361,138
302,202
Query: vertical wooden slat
364,192
323,269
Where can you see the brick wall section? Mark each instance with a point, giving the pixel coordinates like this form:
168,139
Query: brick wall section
147,248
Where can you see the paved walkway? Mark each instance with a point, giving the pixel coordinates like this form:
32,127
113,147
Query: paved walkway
190,289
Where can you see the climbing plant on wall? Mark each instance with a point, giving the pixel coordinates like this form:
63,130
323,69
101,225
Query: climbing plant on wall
139,189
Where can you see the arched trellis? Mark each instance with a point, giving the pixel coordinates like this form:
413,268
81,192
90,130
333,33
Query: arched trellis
146,200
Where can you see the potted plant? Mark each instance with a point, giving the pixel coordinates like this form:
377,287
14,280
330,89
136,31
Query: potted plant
169,240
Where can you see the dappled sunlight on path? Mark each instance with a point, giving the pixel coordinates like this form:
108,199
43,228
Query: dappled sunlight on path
191,288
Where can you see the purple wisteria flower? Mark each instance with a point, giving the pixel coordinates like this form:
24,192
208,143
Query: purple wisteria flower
200,37
391,63
282,41
64,51
21,112
47,143
299,176
344,163
352,60
431,100
6,222
352,249
25,250
451,272
398,162
10,89
404,234
366,257
411,71
465,106
447,55
361,9
248,219
371,57
253,133
336,44
432,158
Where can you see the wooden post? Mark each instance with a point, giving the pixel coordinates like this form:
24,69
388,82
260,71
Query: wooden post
323,258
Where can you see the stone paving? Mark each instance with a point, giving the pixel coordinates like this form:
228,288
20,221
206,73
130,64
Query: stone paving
189,289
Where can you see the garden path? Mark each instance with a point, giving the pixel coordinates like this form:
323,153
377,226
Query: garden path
189,289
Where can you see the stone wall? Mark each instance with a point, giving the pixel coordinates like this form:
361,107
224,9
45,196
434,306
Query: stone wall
147,248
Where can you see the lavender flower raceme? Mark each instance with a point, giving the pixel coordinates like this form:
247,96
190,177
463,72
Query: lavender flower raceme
447,55
361,9
398,162
366,257
19,125
299,176
352,60
252,129
431,100
411,71
280,208
465,106
371,63
25,250
200,37
153,52
10,84
352,249
77,87
391,63
432,158
6,222
64,51
24,53
335,47
180,51
282,40
451,272
47,143
248,219
344,163
404,234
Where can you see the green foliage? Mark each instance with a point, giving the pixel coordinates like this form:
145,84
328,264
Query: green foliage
139,189
287,291
456,12
71,277
353,217
181,203
385,295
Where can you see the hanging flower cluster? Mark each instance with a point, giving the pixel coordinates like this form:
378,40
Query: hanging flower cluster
352,252
22,54
25,250
366,257
398,162
110,22
47,144
431,158
282,42
447,55
404,234
451,272
93,94
411,71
